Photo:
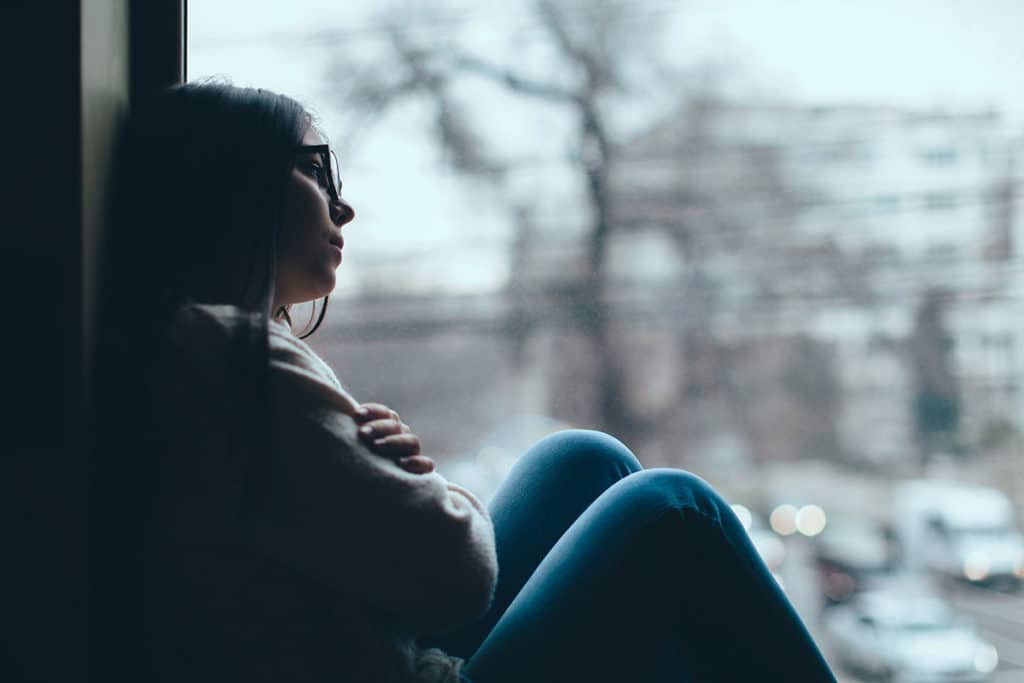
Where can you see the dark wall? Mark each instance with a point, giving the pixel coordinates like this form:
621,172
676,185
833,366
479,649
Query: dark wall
45,546
59,56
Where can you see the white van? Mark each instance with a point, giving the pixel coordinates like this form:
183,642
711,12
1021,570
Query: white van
958,530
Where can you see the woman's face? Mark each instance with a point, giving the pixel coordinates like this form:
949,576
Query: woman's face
309,248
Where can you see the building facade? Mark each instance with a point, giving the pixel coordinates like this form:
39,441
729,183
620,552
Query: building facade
839,223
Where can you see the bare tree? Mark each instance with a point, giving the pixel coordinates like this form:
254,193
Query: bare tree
710,210
592,41
936,397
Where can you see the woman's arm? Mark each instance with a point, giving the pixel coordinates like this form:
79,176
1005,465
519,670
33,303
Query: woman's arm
413,545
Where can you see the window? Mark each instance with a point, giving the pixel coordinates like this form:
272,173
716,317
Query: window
942,254
940,201
998,341
886,203
940,156
845,151
882,255
745,237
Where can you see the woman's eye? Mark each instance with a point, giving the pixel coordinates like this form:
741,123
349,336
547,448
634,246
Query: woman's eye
314,171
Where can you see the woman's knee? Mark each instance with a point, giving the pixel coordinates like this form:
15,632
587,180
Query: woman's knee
584,450
654,492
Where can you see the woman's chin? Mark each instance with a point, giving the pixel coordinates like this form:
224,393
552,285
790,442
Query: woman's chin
323,288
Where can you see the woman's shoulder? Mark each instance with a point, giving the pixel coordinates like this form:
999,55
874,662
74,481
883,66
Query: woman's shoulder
203,324
210,331
213,331
193,319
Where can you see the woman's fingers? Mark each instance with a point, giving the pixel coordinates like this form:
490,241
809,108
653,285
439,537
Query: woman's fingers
375,411
370,432
377,429
397,445
417,464
384,432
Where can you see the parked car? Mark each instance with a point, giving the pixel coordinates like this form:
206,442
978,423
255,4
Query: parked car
850,555
907,637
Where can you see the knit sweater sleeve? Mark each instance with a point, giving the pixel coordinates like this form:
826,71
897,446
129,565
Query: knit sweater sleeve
415,547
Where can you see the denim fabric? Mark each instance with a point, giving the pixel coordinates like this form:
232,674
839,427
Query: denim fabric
609,572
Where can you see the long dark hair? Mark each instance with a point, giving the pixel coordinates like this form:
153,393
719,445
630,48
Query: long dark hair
198,194
200,175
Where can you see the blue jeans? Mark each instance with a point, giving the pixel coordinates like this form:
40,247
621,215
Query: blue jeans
609,572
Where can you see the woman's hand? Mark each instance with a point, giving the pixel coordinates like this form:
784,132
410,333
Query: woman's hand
383,431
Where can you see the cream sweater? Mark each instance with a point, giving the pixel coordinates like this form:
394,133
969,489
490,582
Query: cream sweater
346,558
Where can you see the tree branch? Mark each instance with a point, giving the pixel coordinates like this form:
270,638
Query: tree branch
513,81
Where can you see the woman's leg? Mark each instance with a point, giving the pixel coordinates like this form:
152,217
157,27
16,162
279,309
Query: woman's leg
656,581
547,489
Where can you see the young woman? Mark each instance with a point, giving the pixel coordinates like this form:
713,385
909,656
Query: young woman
258,523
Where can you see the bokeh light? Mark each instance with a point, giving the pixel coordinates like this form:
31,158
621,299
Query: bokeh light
977,566
744,514
810,520
783,519
986,659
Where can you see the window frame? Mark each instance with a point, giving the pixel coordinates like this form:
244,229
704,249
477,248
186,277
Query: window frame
158,41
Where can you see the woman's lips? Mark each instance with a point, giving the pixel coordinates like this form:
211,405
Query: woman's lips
337,244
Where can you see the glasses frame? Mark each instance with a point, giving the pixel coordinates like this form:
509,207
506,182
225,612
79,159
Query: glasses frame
327,155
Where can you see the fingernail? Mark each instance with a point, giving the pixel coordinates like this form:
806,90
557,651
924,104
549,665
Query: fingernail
366,429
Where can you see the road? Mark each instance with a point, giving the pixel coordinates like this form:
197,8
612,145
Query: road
1000,620
998,616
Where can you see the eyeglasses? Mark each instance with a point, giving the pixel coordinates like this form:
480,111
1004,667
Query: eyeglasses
327,173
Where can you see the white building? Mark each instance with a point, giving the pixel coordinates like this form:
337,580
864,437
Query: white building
907,201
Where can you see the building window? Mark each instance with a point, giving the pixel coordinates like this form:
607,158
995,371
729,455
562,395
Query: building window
886,203
940,201
881,255
997,341
942,254
940,156
845,151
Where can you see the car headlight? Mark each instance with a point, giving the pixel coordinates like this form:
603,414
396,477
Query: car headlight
986,659
976,566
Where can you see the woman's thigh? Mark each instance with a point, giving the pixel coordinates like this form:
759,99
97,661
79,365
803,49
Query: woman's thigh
543,494
656,581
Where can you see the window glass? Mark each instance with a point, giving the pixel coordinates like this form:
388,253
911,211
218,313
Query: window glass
741,236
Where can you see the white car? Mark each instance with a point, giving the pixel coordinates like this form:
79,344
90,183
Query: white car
960,531
910,638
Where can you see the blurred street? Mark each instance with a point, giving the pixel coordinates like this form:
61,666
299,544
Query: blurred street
1000,620
999,616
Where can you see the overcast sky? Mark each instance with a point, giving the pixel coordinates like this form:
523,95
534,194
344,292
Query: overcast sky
966,54
917,52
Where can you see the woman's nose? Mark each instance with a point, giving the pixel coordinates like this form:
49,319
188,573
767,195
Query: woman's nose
342,212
